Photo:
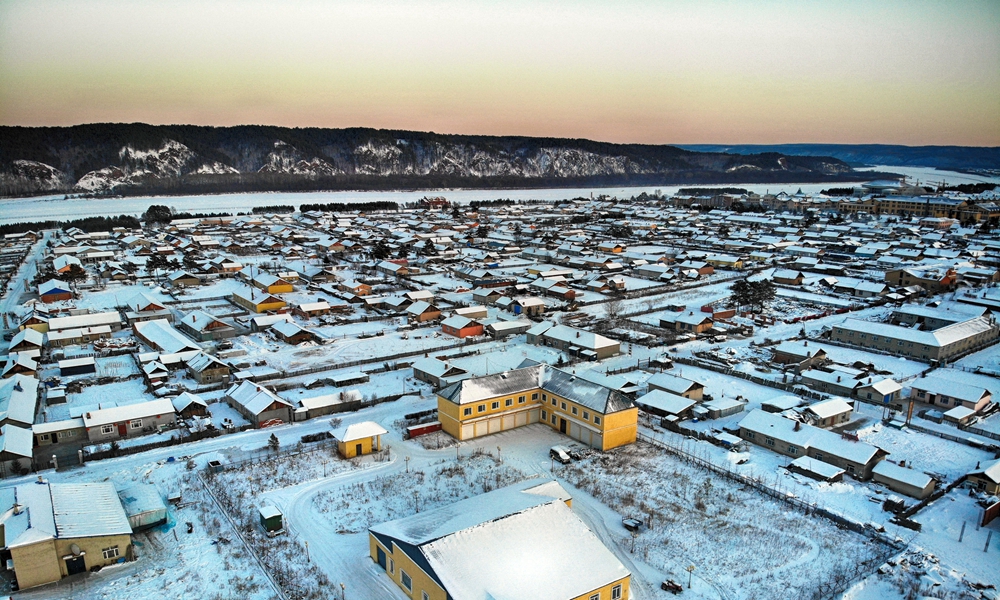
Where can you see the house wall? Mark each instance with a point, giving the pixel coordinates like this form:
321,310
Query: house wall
210,375
421,582
94,433
93,546
36,564
605,591
284,413
980,482
68,435
56,297
350,449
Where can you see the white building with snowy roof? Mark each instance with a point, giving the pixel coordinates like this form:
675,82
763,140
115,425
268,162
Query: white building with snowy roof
521,541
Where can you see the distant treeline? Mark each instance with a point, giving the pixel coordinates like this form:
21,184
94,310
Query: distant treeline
87,224
380,205
970,188
276,208
711,191
838,192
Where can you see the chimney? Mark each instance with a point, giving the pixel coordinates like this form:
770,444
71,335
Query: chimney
798,426
838,378
577,334
805,343
17,508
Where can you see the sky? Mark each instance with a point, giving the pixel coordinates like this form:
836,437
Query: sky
662,72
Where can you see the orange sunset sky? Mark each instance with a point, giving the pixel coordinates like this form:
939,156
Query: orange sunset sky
900,72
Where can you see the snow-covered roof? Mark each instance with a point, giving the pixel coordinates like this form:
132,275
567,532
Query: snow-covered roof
571,335
666,402
990,470
472,547
255,398
162,335
954,389
18,398
895,472
87,510
672,383
88,320
187,399
829,408
807,436
597,397
119,414
357,431
15,440
812,465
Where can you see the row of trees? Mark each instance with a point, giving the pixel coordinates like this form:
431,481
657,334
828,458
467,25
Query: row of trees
753,294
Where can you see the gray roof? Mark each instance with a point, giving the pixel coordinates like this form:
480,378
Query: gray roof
566,385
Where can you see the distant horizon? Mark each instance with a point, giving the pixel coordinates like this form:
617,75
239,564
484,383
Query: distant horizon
516,135
667,72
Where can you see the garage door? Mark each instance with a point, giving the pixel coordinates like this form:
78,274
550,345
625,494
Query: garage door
574,432
521,418
597,441
495,425
468,431
481,428
508,422
533,415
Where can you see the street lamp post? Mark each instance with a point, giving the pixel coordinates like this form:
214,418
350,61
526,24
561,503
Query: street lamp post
690,570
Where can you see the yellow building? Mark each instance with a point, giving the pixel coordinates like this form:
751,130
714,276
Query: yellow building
359,439
598,416
56,530
257,301
521,541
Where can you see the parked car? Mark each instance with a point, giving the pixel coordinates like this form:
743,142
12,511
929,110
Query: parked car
561,454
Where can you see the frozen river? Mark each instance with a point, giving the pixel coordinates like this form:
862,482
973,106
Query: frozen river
44,208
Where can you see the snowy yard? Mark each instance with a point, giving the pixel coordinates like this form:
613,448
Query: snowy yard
743,544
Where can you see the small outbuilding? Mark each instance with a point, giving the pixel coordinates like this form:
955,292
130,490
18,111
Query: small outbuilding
902,480
359,439
143,506
271,519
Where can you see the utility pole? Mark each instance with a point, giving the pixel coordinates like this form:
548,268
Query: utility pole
690,570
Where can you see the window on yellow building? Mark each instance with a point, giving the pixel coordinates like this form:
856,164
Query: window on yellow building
586,416
616,592
481,408
520,399
544,397
404,579
597,420
596,596
495,405
534,396
467,411
553,402
509,402
574,410
544,416
553,419
563,406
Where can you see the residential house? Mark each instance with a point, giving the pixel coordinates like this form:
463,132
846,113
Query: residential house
203,327
188,405
576,342
54,290
461,327
423,311
948,394
54,530
795,439
986,478
937,345
903,480
257,301
437,372
799,355
128,421
828,413
259,405
206,369
676,385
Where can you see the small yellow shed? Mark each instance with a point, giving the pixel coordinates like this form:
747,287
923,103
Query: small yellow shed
359,439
